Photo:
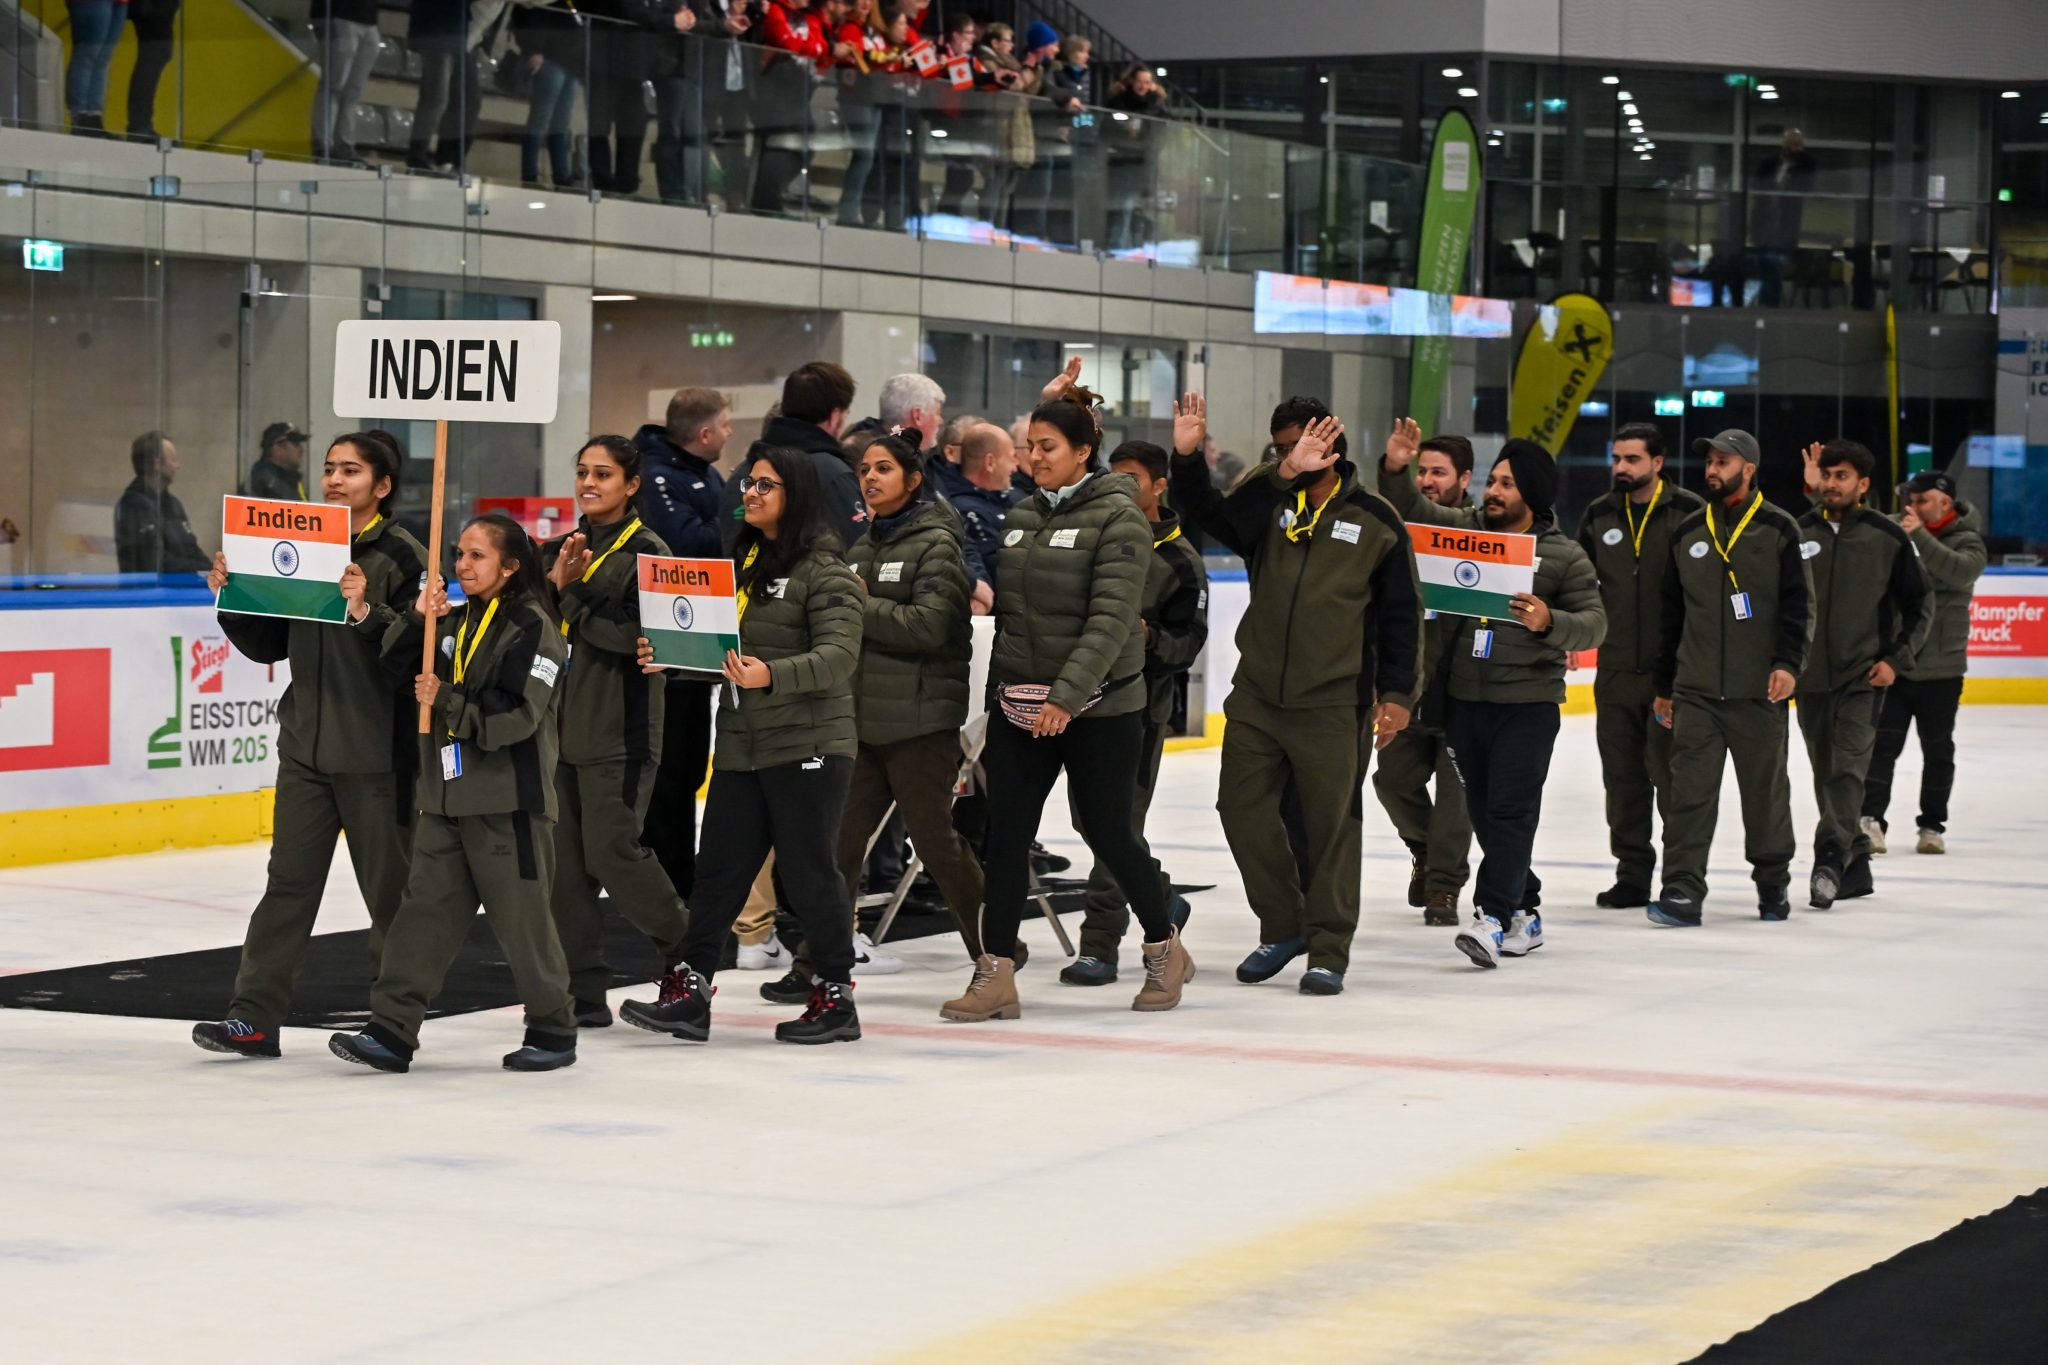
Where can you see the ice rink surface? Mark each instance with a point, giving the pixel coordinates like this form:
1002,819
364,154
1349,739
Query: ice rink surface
1624,1148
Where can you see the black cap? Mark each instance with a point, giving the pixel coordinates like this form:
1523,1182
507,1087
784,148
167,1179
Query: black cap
282,433
1734,441
1931,481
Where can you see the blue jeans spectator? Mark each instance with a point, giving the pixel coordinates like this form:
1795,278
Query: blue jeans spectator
95,31
550,116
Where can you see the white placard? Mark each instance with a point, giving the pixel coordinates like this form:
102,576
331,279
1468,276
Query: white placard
451,371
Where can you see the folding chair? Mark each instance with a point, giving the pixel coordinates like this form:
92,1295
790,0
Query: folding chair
973,736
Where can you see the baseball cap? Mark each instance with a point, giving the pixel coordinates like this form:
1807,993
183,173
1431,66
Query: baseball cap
1733,441
280,433
1931,481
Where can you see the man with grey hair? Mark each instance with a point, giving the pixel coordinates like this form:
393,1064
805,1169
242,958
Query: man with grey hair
913,400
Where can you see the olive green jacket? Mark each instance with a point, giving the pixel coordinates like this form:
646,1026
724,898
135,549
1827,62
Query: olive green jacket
916,634
807,629
611,711
1704,650
1632,577
1871,602
1953,559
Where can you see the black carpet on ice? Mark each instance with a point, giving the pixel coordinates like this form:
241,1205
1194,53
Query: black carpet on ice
1976,1295
334,987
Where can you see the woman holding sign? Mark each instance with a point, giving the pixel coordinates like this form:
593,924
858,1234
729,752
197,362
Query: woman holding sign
346,756
611,719
487,805
784,755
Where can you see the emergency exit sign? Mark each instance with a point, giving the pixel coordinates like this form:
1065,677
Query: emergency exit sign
40,255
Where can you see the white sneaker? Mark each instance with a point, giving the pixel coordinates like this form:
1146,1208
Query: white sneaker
1874,832
766,956
1932,842
1480,940
1524,935
868,960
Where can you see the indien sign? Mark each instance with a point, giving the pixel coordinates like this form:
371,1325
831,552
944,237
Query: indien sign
450,371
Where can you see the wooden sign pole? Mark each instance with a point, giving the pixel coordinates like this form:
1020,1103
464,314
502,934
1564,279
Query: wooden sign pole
435,551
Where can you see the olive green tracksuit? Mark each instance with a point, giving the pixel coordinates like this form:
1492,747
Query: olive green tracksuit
1438,830
346,761
485,835
1716,669
611,721
1629,546
1334,626
1871,605
1175,622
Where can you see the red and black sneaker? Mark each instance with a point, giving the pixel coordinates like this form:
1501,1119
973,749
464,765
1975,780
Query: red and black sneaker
237,1037
682,1010
830,1017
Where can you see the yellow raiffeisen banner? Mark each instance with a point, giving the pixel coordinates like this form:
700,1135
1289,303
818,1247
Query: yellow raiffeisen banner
1561,361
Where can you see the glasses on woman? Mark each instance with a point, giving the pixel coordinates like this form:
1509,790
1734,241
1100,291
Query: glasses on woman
750,484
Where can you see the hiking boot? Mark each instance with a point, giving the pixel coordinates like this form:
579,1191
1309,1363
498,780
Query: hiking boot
1621,896
1268,960
593,1014
1168,968
1873,831
1088,971
1931,841
364,1050
237,1037
829,1017
1418,877
791,988
683,1009
542,1052
992,994
1441,912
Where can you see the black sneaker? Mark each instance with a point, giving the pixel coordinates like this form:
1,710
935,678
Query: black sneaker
829,1018
1675,911
1856,881
791,988
593,1014
364,1050
1622,896
1418,879
1322,981
542,1052
683,1009
1046,862
1088,971
1268,960
1825,886
237,1037
1771,904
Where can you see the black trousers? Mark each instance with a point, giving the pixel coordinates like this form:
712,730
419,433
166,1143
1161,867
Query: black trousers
671,825
618,110
679,141
793,810
156,29
1101,757
1931,704
1502,750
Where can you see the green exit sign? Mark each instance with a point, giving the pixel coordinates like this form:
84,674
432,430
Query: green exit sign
39,255
717,341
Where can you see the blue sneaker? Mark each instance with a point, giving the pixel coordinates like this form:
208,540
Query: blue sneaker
1322,981
1088,971
1268,960
1675,911
1524,935
364,1050
1772,905
1480,940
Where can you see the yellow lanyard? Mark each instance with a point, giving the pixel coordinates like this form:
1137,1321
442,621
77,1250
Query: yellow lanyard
590,569
1174,534
740,599
370,526
1296,531
1740,527
462,660
1629,510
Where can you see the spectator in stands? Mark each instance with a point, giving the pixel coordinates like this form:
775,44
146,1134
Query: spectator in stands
679,105
859,114
450,87
279,473
728,66
156,29
1014,141
152,534
95,33
1140,96
805,47
955,112
1777,193
1071,73
346,31
551,39
622,58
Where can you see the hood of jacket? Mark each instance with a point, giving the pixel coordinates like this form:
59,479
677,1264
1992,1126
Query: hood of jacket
789,434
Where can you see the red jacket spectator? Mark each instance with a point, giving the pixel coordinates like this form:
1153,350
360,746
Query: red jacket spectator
802,32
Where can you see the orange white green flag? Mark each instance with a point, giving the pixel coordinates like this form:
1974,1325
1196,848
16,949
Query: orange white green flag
284,558
1472,573
688,611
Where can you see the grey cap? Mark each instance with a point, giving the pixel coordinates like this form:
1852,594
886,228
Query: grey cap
1733,441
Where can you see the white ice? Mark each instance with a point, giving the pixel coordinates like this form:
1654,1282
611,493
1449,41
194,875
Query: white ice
1627,1147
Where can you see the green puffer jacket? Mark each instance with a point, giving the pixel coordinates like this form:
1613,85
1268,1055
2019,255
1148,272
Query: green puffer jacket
1520,665
1632,582
806,628
1703,650
1871,602
347,709
1070,581
501,715
1175,612
611,711
916,636
1952,559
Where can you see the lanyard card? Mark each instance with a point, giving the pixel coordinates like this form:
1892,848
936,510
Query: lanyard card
1482,643
1740,601
451,761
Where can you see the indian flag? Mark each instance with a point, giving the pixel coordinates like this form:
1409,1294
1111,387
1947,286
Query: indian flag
688,612
1472,573
285,558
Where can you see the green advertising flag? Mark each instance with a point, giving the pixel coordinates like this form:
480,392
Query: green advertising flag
1447,206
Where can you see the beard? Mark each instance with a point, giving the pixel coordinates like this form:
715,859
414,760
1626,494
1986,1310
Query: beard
1307,483
1495,514
1629,483
1722,489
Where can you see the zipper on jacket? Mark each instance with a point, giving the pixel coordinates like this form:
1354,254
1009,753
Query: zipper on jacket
1293,601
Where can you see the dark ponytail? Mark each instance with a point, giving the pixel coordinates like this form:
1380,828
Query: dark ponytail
382,452
1075,416
514,544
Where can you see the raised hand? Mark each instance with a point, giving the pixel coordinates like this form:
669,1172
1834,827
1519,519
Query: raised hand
1190,424
1061,382
1315,451
571,562
1811,455
1909,521
1404,443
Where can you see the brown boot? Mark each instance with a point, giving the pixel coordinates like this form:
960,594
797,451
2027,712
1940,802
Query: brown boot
992,994
1442,909
1167,968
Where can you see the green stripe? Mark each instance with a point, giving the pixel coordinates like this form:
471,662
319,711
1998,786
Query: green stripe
303,599
691,649
1449,597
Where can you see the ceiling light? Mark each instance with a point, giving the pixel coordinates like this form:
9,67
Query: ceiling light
1628,109
1623,95
1325,80
938,132
614,298
1121,117
2008,94
1765,89
1452,73
1768,95
1610,80
538,204
1468,92
1646,157
1159,71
